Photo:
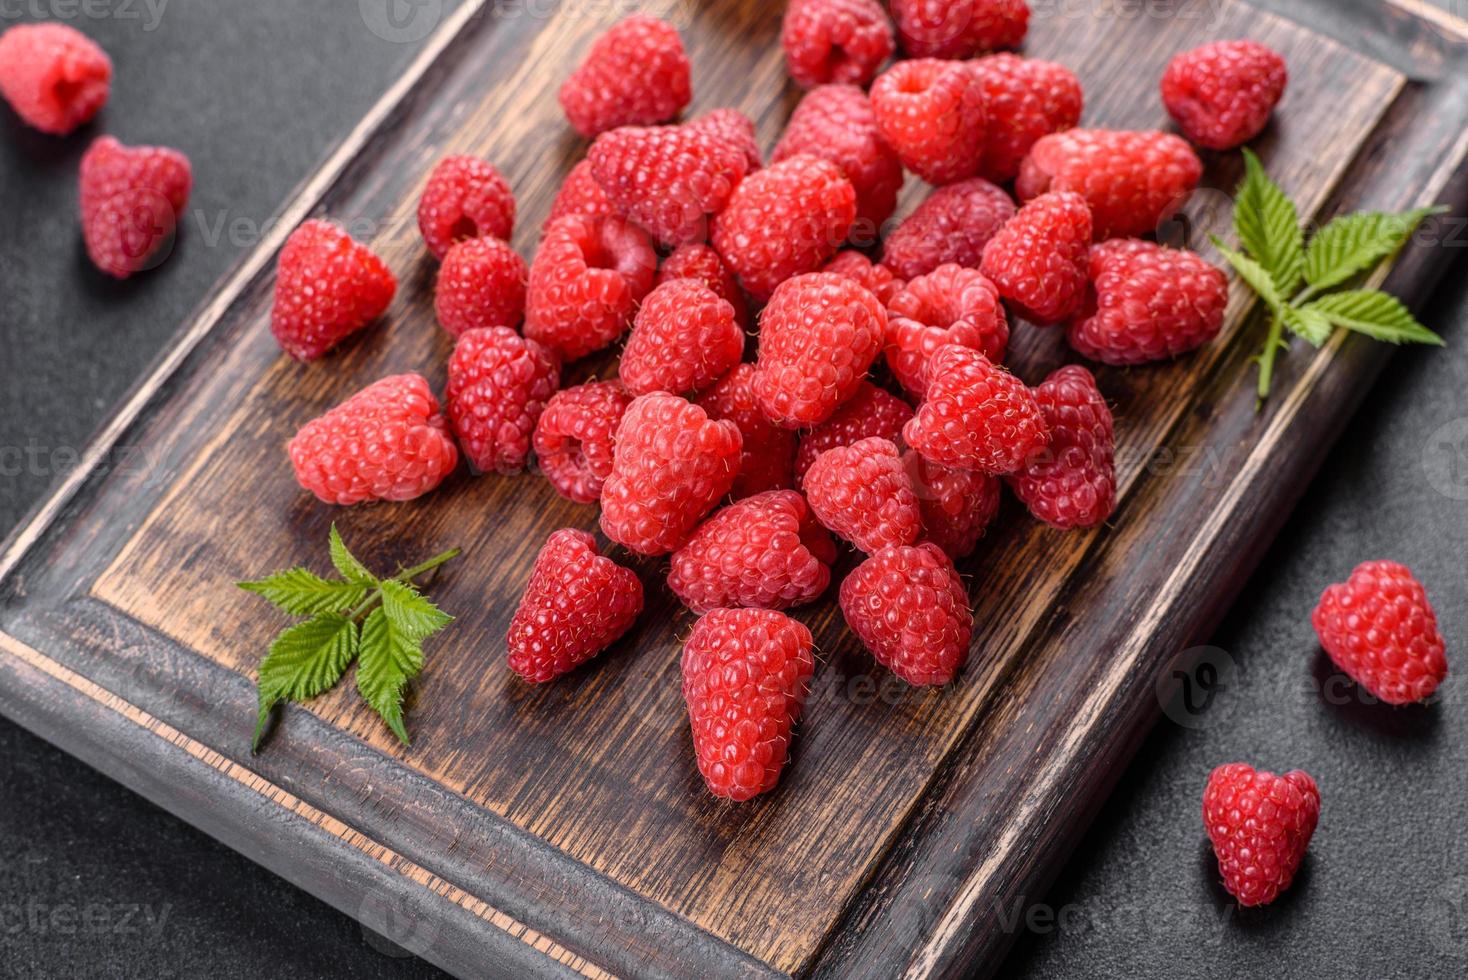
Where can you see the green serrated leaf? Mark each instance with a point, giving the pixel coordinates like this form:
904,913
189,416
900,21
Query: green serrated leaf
389,659
412,614
1354,243
346,563
303,593
1374,313
303,661
1310,324
1255,275
1268,225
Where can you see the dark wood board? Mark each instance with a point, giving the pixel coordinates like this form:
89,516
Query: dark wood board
564,830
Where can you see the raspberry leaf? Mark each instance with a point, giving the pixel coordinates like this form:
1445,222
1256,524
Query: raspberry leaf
303,593
303,661
1354,243
346,563
390,657
1256,275
410,613
1268,225
1374,313
1313,325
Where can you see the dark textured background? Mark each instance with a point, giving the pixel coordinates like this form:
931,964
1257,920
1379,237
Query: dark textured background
96,882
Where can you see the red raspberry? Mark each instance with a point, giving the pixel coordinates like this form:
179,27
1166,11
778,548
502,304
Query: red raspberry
580,194
768,450
1027,99
1380,629
870,412
977,416
1260,825
836,123
734,128
835,41
957,505
950,305
746,675
783,221
863,493
573,439
586,282
465,197
932,113
818,335
131,199
1132,181
480,284
1147,303
959,28
952,225
762,552
499,383
668,179
576,604
698,261
1073,482
327,287
908,605
1222,93
857,267
684,339
386,442
636,74
54,76
1038,259
673,463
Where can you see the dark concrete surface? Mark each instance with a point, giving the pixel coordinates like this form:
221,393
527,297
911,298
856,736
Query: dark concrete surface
95,882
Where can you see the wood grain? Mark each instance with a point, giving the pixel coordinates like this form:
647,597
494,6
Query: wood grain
903,813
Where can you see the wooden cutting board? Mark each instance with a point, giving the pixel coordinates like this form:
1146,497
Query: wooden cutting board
564,829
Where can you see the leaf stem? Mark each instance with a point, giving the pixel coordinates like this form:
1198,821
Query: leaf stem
405,576
1272,344
1306,295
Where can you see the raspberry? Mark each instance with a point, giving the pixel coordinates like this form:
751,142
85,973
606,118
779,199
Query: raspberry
1221,94
836,123
580,194
573,439
1038,259
1380,629
586,282
131,199
386,442
498,384
768,450
698,261
860,269
818,335
636,74
835,41
576,604
932,113
480,284
977,416
1132,181
684,339
957,506
54,76
950,305
959,28
869,412
908,605
746,675
1147,303
783,221
1260,825
667,179
672,465
762,552
1027,99
952,225
327,287
863,493
465,197
734,128
1072,483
